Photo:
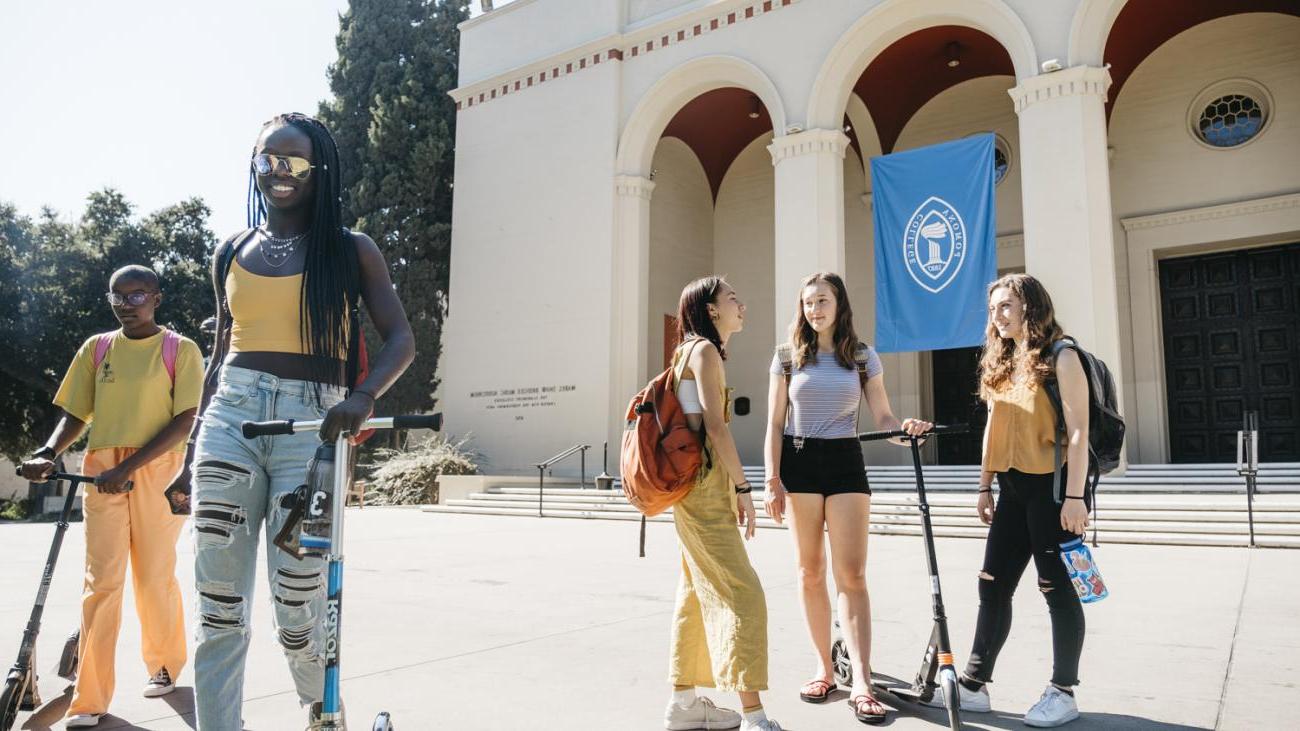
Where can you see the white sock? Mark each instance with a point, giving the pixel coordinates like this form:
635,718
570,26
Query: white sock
684,698
757,716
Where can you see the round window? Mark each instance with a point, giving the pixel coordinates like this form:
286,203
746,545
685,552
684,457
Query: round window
1229,114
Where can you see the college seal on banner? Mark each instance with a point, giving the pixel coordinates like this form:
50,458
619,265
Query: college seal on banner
934,244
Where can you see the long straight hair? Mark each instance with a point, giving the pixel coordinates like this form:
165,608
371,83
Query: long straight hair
1001,356
803,337
693,318
331,276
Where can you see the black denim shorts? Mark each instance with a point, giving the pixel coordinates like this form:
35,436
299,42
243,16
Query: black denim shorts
823,466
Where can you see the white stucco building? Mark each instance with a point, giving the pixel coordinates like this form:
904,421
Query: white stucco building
608,151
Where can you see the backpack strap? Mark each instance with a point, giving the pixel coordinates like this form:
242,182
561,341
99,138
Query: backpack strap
1054,395
225,258
103,342
862,358
171,346
679,362
785,353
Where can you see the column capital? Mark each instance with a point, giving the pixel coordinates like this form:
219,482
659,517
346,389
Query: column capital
1074,81
809,142
633,186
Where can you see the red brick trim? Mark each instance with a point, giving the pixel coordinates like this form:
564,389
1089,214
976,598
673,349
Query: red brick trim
680,35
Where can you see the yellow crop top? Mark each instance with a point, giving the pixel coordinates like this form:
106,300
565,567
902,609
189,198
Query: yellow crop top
1021,430
265,313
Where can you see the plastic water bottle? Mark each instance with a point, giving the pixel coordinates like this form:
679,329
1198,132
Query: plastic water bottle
318,517
1083,571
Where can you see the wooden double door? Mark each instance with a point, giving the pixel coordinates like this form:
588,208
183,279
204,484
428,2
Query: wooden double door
1232,344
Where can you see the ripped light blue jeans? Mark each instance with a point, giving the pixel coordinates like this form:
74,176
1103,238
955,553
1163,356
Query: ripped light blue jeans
238,485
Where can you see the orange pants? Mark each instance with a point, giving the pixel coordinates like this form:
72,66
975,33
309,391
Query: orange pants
138,524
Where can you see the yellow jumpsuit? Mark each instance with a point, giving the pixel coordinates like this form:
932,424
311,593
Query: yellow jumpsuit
719,635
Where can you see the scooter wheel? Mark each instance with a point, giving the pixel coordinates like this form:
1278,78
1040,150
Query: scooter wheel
13,695
841,664
383,722
951,698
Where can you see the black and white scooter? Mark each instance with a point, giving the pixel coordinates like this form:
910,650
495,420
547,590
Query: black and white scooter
20,692
937,661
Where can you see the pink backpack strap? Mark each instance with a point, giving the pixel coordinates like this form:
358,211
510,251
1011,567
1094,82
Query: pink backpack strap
103,342
171,346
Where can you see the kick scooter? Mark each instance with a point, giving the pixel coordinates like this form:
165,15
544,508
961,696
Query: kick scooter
20,693
319,532
937,660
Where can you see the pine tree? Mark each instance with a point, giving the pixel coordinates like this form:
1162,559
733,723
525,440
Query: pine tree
395,126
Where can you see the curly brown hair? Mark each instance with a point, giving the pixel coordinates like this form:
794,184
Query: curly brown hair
804,339
1001,356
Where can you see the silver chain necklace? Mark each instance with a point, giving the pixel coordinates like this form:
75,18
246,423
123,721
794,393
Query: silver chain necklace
281,249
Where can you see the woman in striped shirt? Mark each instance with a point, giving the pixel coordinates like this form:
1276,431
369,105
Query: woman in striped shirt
814,465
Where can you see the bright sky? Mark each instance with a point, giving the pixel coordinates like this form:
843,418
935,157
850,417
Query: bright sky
158,98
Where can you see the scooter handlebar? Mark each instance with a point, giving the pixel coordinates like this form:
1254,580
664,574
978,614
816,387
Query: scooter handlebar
75,479
938,429
254,429
418,421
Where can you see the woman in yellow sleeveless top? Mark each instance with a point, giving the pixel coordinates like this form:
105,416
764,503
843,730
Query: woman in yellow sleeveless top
285,349
719,637
1028,520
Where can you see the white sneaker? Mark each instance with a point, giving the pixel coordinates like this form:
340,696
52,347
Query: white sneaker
701,714
766,724
972,701
160,684
83,720
1054,708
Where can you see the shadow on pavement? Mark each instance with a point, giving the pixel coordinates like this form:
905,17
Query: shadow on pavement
50,714
182,702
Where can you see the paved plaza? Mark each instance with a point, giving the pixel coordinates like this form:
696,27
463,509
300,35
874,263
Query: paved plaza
465,622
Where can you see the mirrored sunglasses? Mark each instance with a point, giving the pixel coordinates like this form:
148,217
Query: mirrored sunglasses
298,167
135,299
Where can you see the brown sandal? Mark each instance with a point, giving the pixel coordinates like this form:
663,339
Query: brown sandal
867,709
816,691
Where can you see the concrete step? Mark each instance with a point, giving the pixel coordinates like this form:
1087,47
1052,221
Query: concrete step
947,517
1192,501
943,531
1274,513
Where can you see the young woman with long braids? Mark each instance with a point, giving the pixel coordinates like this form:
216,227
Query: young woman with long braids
814,466
1029,520
284,329
719,637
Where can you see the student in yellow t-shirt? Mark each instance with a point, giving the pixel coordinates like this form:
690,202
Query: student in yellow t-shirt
140,386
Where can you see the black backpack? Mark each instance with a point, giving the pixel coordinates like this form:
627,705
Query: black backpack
1105,425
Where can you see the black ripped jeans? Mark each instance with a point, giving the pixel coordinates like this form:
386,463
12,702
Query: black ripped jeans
1026,522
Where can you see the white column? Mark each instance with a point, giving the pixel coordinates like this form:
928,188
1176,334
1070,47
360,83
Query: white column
631,287
1069,231
809,211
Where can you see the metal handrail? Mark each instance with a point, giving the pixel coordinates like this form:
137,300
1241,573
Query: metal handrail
544,467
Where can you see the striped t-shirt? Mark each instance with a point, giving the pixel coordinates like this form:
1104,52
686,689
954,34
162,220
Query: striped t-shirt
824,396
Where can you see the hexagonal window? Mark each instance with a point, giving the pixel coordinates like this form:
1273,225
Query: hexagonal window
1229,114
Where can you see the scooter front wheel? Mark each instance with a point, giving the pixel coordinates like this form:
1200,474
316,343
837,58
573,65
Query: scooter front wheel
841,664
383,722
951,698
15,684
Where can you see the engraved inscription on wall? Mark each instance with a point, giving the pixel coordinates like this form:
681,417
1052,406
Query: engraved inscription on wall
520,402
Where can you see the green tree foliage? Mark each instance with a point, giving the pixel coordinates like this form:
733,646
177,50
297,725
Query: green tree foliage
395,126
56,273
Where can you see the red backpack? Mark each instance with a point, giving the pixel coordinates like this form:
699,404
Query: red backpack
661,456
171,346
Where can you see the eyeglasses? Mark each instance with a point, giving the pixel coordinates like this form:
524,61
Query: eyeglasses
135,299
298,167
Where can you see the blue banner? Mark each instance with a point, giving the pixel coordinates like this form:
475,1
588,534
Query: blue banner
935,246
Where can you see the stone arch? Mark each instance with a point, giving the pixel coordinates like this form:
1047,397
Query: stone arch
893,19
657,106
1090,29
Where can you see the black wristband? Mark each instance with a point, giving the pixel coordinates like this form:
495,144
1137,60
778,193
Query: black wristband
1073,497
744,488
46,452
987,489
